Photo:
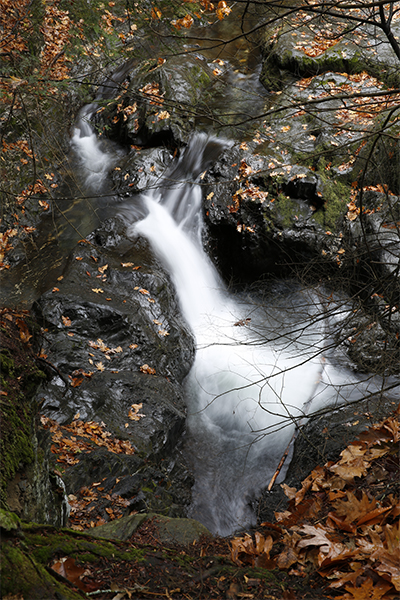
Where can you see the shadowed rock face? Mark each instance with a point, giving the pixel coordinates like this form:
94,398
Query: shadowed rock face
110,320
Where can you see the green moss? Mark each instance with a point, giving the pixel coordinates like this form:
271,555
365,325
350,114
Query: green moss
264,574
270,76
20,381
9,520
48,542
7,364
336,195
23,577
15,443
285,210
184,560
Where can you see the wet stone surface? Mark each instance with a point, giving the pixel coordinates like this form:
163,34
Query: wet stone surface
113,338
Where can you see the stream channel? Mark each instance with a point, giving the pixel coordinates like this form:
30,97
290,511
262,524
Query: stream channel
258,369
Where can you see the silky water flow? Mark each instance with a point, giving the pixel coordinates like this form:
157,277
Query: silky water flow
243,394
257,369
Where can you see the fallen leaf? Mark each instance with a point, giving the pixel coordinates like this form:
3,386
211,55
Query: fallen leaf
24,334
134,414
68,569
367,591
146,369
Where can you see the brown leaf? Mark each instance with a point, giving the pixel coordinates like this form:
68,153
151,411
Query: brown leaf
23,331
148,370
367,591
290,492
286,558
329,550
67,321
134,414
263,545
352,509
242,549
352,464
333,520
68,569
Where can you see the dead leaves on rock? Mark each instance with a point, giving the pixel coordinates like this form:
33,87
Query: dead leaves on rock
134,413
148,370
19,318
336,525
69,441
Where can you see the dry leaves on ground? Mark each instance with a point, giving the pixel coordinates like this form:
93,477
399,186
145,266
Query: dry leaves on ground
343,522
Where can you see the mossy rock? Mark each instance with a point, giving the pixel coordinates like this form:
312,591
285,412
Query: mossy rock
28,549
287,48
23,577
9,520
167,530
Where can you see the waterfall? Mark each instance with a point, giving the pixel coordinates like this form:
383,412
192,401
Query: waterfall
257,368
243,394
95,159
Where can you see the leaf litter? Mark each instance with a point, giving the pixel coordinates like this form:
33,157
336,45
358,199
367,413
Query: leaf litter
343,523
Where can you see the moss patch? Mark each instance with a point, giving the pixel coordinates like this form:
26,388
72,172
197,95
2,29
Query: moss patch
336,195
20,377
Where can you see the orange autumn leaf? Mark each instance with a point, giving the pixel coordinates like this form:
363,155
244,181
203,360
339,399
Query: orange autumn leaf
367,591
223,10
146,369
69,570
24,334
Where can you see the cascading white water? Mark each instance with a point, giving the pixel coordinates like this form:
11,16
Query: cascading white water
243,394
95,158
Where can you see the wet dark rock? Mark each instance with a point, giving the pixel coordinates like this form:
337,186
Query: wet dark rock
27,485
160,104
114,317
148,482
255,228
124,306
375,237
141,170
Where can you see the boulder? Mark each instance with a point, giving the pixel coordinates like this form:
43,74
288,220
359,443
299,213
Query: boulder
164,529
299,47
114,337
